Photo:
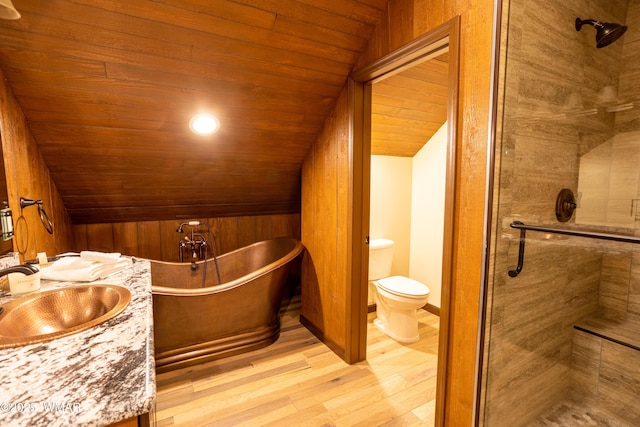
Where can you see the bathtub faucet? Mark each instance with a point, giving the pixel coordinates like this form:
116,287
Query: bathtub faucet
198,245
182,246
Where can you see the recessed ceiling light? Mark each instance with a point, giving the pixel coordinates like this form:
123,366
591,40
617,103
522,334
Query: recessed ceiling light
204,124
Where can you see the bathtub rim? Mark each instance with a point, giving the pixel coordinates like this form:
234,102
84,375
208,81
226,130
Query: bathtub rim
285,259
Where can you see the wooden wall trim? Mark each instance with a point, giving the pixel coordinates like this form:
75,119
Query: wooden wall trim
395,61
326,225
359,206
489,219
319,333
444,361
28,176
405,21
158,239
447,34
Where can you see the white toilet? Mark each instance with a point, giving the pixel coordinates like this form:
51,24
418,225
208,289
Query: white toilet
397,297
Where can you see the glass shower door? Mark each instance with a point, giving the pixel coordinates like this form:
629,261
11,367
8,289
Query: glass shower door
560,342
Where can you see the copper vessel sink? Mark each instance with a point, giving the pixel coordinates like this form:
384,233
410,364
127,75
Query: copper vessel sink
45,316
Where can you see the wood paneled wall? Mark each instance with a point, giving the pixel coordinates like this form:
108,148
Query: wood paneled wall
325,177
28,176
325,195
158,240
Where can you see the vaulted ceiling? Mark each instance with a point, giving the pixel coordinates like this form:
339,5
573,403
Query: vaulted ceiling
108,88
409,106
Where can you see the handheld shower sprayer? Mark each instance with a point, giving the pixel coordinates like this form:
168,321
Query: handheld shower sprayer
606,32
191,223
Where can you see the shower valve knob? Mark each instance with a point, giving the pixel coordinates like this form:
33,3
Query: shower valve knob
565,205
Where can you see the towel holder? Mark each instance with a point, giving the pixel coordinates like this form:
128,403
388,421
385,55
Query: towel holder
44,218
580,233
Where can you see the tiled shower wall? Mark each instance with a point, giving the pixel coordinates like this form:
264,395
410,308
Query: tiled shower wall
552,114
620,285
605,378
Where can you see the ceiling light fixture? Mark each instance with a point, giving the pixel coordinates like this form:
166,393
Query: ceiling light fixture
8,10
204,124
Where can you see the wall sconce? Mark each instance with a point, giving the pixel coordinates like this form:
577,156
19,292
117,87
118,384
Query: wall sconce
8,10
7,222
44,218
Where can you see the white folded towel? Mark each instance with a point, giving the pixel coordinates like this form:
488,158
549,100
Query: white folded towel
70,263
74,269
104,257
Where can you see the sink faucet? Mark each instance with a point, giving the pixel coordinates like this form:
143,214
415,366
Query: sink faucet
24,285
25,269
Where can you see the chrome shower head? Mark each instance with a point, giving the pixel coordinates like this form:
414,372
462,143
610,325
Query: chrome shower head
606,32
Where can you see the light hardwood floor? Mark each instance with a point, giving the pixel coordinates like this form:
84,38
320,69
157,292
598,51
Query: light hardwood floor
298,381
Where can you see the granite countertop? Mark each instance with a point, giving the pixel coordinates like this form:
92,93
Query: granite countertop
93,378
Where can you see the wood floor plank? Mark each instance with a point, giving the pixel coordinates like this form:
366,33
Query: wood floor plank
388,409
259,415
235,395
365,397
299,381
334,387
298,418
405,420
426,412
167,399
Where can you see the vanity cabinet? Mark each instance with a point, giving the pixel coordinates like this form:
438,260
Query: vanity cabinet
103,374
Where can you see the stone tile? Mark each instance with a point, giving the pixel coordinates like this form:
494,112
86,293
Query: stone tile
620,381
634,285
553,72
568,413
585,366
615,283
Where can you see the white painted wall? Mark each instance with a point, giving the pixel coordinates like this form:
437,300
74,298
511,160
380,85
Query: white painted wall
407,206
390,215
427,214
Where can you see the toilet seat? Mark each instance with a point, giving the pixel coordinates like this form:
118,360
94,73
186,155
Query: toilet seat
404,287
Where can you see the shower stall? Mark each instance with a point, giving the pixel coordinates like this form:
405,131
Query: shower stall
562,305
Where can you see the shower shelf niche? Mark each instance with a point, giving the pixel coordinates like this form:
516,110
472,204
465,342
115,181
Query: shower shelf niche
579,233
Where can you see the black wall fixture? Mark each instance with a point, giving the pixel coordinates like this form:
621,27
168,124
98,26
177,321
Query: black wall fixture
44,218
606,32
568,232
565,205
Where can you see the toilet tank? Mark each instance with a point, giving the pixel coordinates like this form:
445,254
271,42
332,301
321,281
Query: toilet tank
380,258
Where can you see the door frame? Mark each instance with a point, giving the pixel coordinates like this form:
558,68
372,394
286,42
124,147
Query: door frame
360,81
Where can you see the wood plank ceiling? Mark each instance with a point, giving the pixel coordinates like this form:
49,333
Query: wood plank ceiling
108,87
409,107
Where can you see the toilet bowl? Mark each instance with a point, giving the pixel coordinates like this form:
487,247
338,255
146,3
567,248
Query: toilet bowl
396,297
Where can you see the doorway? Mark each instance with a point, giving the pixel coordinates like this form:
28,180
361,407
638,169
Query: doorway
440,41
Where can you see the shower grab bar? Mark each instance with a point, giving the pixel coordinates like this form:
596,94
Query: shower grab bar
591,234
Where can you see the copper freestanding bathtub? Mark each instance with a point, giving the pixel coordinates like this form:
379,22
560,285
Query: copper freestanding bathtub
195,323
